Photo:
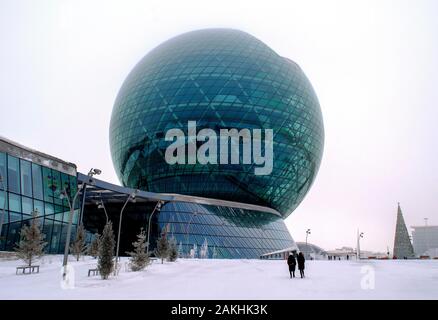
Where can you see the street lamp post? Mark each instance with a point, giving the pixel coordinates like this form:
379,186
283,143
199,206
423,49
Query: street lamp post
4,205
71,205
102,206
307,249
157,208
187,232
131,196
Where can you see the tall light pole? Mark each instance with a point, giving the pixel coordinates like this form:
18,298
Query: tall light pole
359,235
102,206
187,231
157,208
307,249
4,205
71,205
130,197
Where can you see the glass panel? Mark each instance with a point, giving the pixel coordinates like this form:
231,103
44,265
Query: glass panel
56,186
13,174
39,206
14,202
65,185
14,216
26,178
49,209
26,218
37,180
47,230
2,200
13,234
59,213
5,218
65,182
48,185
55,237
27,205
3,177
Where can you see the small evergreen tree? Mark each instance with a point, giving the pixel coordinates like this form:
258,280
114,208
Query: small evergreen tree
78,246
105,261
173,250
31,245
139,258
93,248
204,250
162,250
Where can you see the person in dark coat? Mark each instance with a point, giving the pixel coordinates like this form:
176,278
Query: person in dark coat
301,260
292,263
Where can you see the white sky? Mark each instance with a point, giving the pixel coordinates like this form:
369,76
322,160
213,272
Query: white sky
373,64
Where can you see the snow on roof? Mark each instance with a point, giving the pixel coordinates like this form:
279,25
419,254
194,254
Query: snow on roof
15,149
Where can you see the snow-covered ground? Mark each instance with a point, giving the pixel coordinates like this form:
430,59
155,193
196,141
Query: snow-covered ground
228,279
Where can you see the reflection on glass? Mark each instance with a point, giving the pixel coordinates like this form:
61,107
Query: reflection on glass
37,181
13,174
26,178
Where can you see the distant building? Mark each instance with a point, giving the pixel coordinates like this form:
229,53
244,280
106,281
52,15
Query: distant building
402,243
425,240
344,253
311,251
373,255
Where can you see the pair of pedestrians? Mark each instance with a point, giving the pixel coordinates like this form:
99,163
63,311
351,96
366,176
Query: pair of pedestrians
292,262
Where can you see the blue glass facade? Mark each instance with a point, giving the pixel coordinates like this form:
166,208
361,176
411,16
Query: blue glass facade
228,232
222,79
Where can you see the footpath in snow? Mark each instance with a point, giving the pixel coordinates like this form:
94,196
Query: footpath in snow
228,279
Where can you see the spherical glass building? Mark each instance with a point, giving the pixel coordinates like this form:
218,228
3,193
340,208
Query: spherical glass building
220,78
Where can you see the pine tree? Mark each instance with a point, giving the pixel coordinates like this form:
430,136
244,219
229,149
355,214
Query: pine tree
105,261
93,248
78,246
162,250
139,258
173,250
31,245
204,250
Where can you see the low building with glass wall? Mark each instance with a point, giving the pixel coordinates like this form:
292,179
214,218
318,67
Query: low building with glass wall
31,180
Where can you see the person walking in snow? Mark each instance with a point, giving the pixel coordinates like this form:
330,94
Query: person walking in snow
292,263
301,260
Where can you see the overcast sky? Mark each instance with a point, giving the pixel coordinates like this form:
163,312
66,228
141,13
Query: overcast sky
373,64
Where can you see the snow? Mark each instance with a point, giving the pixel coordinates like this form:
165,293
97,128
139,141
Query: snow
227,279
